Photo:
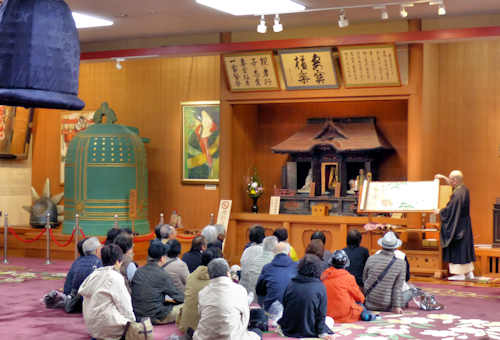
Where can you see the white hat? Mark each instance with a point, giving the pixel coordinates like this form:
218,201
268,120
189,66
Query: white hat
389,241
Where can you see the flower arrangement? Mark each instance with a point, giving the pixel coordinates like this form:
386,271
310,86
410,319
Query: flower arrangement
254,186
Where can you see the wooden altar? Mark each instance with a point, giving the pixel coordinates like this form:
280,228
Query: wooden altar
423,261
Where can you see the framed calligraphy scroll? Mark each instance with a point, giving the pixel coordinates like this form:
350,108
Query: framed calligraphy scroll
251,71
369,65
308,69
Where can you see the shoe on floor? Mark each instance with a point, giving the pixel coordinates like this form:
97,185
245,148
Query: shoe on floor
460,277
470,276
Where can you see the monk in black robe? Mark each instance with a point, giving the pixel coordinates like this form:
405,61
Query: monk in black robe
456,230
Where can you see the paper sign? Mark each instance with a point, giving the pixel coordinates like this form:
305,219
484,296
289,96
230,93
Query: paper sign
274,208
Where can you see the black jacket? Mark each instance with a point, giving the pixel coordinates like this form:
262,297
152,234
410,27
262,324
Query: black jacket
304,311
357,257
150,285
193,259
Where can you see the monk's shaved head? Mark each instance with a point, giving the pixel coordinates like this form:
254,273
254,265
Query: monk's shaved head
456,178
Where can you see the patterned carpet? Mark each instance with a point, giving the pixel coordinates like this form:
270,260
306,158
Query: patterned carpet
469,313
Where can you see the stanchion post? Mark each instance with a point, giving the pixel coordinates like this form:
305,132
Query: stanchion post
47,232
5,233
77,234
162,219
116,222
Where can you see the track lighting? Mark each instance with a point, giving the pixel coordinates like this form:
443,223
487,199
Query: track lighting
118,64
441,10
262,28
343,21
403,12
277,27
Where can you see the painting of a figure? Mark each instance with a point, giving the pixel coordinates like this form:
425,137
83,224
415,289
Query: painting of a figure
201,142
7,116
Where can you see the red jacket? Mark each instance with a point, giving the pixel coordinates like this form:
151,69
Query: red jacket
343,294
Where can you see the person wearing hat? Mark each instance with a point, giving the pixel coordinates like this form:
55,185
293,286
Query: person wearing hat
345,299
150,287
384,276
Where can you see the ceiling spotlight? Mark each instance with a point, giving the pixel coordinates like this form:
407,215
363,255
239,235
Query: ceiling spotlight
262,28
441,10
118,65
384,15
277,27
343,21
403,12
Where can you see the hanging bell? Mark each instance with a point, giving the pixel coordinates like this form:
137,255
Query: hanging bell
39,55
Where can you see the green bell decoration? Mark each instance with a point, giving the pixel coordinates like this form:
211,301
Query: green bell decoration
106,174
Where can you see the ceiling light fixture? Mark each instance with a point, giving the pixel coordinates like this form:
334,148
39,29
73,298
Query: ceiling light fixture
89,21
343,21
118,64
384,15
277,27
403,12
441,10
252,7
261,27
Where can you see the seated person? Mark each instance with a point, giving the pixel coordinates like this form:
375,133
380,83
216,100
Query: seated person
223,307
384,294
305,302
276,276
107,307
344,296
214,235
193,257
128,268
319,235
175,267
150,286
357,255
282,235
111,235
252,251
80,269
196,281
316,247
253,266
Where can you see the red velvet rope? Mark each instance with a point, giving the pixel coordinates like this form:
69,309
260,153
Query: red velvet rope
62,244
81,232
26,241
185,237
144,238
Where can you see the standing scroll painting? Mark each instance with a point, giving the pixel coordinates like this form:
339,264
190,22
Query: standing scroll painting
308,69
251,71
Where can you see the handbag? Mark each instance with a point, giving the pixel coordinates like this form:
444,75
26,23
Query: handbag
142,330
74,302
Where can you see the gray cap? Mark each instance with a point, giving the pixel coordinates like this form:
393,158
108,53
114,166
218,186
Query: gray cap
91,245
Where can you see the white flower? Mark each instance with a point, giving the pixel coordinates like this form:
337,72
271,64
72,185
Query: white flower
473,322
367,337
468,330
494,329
419,320
345,332
443,316
387,331
438,334
254,185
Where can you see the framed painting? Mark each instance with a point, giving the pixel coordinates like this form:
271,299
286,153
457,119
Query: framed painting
200,142
311,68
71,124
251,71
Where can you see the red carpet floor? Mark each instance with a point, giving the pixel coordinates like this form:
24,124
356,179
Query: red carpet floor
470,312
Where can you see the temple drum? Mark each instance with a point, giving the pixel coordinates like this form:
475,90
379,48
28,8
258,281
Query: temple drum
106,174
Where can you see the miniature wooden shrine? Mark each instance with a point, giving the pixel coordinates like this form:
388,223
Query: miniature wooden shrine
328,161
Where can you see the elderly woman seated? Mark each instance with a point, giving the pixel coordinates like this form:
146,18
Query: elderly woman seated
107,305
223,307
305,302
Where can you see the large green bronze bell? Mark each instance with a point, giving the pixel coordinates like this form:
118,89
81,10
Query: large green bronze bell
106,175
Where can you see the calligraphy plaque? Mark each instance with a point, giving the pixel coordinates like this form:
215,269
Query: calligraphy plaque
369,65
308,69
251,71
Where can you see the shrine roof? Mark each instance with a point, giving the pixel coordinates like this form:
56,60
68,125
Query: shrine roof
343,135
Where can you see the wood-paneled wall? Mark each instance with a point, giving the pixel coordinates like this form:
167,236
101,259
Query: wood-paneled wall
145,94
462,121
256,128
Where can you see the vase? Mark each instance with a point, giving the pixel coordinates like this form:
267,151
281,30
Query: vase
255,208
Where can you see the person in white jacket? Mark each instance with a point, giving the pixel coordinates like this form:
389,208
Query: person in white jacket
223,307
107,305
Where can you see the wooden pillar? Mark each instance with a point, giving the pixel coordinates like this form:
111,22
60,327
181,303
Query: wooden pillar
225,177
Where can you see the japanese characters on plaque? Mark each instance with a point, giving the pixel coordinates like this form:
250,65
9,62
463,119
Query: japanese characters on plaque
251,71
369,65
308,69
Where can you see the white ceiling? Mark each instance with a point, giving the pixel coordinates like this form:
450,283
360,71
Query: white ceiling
162,18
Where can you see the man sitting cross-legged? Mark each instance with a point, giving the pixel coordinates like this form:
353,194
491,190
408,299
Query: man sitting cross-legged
153,292
223,307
